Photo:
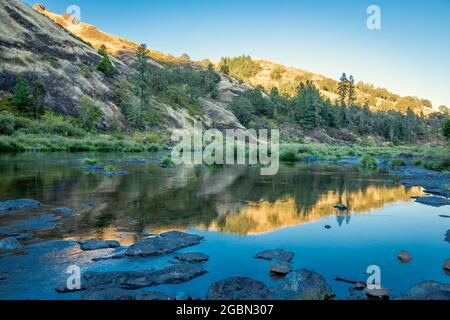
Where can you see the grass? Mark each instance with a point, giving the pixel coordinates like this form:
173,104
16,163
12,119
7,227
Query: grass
167,161
110,168
368,161
90,162
397,163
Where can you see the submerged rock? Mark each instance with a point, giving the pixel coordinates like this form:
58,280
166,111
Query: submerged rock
10,243
65,211
447,265
278,254
427,290
90,245
134,161
433,201
11,205
280,267
94,167
404,257
238,288
113,173
115,294
328,227
192,257
131,280
24,237
89,203
303,285
378,294
41,223
165,243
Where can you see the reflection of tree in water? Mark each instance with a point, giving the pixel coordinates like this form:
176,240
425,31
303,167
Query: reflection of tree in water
230,199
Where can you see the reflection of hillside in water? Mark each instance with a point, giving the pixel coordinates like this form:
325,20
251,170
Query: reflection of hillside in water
231,199
266,216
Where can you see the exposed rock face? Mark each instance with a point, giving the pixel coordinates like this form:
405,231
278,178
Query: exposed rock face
280,267
33,45
427,290
192,257
115,294
165,243
278,254
11,205
404,257
131,280
90,245
238,288
303,285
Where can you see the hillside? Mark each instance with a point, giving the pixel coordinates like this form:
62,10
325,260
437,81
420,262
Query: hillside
286,79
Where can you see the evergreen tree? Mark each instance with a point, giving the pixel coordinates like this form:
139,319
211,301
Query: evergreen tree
446,130
351,91
142,69
307,106
343,89
21,96
38,93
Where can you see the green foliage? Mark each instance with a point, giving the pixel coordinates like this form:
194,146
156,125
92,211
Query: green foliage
307,105
289,156
369,161
106,66
22,96
398,163
242,67
90,162
243,109
167,161
446,129
110,168
438,165
90,114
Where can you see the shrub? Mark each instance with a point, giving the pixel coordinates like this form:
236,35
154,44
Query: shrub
110,168
167,161
90,162
369,161
398,163
446,129
289,156
106,66
7,124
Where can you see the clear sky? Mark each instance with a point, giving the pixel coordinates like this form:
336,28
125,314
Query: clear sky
410,55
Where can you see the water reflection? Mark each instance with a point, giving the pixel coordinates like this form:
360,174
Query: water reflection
235,200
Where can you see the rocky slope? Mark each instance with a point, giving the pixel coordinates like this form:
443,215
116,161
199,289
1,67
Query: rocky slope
64,56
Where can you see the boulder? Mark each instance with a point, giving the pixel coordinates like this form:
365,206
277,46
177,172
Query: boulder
90,245
20,204
165,243
278,254
433,201
116,294
280,267
303,285
131,280
427,290
192,257
10,243
378,294
447,265
238,288
404,257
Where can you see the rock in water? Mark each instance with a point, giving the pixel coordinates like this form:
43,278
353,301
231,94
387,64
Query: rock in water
65,211
378,294
132,280
427,290
341,207
238,288
19,204
447,236
192,257
165,243
10,243
280,267
447,265
303,285
433,201
90,245
278,254
115,294
404,257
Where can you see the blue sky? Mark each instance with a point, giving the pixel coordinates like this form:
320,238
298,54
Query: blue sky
410,55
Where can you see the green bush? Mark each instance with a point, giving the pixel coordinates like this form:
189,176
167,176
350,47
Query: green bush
289,156
110,168
167,161
369,161
106,66
398,163
90,162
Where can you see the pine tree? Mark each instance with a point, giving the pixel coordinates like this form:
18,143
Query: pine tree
106,66
351,91
21,96
343,89
142,68
38,93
